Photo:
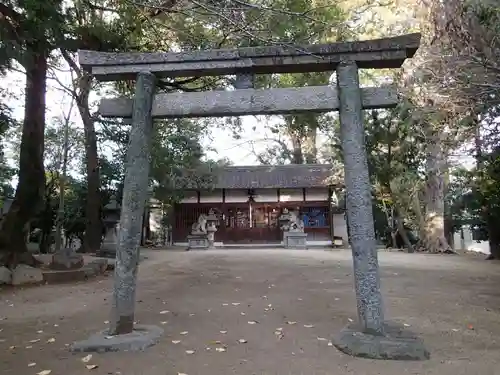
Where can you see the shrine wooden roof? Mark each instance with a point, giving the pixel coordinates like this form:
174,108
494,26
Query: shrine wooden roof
277,176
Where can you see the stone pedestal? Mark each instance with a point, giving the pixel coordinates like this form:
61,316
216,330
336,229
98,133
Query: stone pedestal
198,241
295,240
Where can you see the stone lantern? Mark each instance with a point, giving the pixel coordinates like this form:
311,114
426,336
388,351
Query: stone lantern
111,220
212,222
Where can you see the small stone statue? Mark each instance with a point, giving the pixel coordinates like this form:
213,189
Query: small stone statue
296,223
293,230
200,226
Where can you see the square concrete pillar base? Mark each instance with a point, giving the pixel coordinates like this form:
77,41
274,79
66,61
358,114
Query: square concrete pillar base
396,344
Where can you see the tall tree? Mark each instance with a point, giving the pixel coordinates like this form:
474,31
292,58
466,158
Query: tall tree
28,31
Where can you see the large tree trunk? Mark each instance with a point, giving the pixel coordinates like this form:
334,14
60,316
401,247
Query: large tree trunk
93,225
493,223
402,231
310,149
30,188
434,239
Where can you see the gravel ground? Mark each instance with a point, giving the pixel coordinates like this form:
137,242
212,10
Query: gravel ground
282,305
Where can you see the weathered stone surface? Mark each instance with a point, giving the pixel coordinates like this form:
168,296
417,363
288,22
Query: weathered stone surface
135,192
66,259
379,53
5,275
142,337
395,344
359,200
24,274
248,102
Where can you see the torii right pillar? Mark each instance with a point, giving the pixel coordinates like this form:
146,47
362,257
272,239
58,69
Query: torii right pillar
371,336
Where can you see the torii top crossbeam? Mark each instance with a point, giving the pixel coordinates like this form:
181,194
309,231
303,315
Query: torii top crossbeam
375,54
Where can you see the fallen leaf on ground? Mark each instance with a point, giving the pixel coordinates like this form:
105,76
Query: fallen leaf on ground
87,358
51,340
252,322
242,341
183,333
291,323
223,332
220,349
164,312
44,372
308,326
189,351
236,303
470,326
176,341
91,367
32,364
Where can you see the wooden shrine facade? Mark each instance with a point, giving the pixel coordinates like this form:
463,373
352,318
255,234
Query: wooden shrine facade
249,201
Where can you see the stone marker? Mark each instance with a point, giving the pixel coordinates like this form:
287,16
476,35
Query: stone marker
372,337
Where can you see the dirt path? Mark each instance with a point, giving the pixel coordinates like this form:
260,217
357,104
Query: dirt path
453,302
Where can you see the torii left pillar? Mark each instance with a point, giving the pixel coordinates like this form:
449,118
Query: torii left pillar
122,333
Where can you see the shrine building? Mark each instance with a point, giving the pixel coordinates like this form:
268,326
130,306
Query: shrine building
250,199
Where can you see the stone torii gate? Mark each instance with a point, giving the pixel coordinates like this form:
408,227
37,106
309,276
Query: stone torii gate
371,336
